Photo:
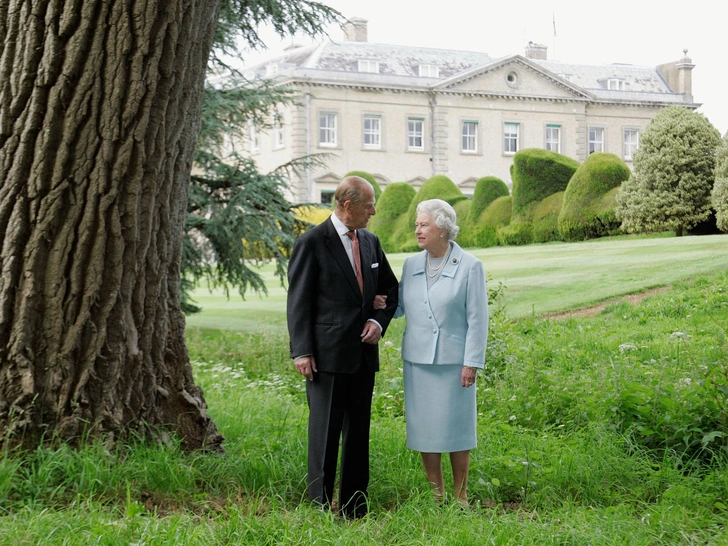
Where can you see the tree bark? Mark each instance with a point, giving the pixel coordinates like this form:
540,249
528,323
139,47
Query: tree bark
99,113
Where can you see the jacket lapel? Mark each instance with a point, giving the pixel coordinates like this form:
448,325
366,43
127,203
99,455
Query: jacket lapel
336,247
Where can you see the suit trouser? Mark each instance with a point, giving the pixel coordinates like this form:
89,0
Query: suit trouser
340,405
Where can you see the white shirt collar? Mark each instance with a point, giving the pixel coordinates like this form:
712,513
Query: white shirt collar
341,229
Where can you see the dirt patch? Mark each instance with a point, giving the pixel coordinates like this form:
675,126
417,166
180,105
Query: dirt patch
589,311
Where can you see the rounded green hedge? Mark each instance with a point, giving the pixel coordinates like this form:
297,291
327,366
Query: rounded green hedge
498,213
487,190
587,212
393,203
536,174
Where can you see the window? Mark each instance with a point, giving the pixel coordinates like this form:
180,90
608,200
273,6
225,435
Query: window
596,139
271,70
615,84
470,137
278,135
254,137
553,138
327,197
327,129
631,142
368,66
372,132
428,71
510,138
415,134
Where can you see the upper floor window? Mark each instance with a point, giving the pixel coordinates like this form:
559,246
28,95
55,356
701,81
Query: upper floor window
278,135
510,137
470,136
631,142
596,139
415,134
428,71
615,84
368,66
553,138
271,70
327,129
372,132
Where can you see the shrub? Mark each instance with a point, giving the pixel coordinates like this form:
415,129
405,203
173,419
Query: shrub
369,178
311,214
585,213
536,174
487,190
545,219
498,213
519,233
674,173
392,205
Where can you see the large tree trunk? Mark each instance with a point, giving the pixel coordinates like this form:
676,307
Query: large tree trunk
99,112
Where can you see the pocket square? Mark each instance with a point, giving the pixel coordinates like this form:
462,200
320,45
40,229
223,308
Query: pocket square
375,265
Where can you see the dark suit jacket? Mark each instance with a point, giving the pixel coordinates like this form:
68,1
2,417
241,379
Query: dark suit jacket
326,310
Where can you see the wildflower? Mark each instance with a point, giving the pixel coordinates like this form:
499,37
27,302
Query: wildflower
626,347
678,335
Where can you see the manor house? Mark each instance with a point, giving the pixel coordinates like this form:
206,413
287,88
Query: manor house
404,114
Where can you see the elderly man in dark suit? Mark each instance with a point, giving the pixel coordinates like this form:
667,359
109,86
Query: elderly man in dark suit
335,271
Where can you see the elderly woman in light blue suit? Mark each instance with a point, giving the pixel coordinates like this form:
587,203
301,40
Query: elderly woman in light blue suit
443,295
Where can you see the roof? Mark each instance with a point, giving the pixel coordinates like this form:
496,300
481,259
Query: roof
399,65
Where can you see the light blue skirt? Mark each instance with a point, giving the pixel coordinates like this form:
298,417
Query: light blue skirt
441,414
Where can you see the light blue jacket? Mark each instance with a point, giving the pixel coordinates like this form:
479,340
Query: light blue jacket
448,325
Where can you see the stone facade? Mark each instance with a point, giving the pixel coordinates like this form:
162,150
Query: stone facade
404,114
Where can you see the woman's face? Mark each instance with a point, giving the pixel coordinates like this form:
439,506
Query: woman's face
429,236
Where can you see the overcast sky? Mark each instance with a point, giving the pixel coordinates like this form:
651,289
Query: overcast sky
637,32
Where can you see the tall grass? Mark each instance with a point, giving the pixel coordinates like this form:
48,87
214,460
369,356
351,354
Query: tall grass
604,429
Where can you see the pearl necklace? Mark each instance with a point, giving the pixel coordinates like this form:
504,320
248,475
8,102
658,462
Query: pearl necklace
436,270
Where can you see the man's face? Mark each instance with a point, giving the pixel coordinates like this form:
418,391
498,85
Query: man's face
358,214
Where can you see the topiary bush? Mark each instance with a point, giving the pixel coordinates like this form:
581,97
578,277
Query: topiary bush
498,213
369,178
519,233
545,219
536,174
487,190
586,212
393,204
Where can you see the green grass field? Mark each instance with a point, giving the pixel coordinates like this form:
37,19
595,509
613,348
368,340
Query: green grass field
538,278
609,429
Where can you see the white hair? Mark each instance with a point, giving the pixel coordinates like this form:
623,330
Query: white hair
443,214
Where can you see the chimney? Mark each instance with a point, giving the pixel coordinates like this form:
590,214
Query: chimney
536,51
355,30
679,75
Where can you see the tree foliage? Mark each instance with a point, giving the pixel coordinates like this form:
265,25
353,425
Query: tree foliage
673,174
236,215
719,196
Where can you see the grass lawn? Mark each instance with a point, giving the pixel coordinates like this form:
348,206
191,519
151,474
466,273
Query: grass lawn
610,429
538,278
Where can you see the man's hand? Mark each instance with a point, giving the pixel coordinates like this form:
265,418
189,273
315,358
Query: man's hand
306,366
371,333
380,301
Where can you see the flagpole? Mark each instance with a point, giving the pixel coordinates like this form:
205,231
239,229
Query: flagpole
553,18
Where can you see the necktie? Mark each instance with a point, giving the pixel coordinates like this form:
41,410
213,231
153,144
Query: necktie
357,258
